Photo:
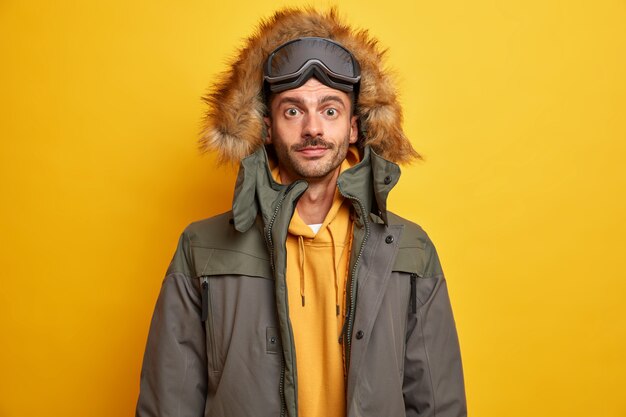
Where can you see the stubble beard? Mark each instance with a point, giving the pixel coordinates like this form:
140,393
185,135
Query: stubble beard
312,169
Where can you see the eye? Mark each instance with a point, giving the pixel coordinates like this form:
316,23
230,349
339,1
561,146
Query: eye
291,112
330,112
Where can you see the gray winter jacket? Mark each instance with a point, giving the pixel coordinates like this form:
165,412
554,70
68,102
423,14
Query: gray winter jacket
221,343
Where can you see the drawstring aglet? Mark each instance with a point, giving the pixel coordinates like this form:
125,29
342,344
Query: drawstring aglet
302,300
337,310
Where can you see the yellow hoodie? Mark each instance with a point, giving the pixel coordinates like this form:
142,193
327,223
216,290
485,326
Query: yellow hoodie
317,268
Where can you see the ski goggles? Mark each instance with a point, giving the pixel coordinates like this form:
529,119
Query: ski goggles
293,63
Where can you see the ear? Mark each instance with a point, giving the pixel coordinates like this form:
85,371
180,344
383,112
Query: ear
354,129
268,129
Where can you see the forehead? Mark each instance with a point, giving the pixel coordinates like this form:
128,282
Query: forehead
311,91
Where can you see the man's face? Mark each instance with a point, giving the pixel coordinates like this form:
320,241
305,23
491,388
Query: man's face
311,128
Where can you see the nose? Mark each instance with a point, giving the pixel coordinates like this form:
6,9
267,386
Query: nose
312,125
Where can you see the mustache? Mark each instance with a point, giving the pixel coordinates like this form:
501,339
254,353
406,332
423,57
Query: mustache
316,141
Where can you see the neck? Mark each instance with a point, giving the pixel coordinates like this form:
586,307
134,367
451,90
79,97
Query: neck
317,200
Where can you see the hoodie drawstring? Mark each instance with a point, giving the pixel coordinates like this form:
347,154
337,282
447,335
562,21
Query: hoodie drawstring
302,255
336,265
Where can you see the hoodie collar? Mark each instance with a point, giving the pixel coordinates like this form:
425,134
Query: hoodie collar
369,181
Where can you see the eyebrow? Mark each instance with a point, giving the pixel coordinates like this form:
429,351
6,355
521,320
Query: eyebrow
326,99
299,101
292,100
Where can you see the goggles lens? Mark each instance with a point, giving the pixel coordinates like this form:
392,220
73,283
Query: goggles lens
293,63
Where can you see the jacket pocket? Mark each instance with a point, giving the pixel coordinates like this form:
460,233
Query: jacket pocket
421,289
209,325
230,282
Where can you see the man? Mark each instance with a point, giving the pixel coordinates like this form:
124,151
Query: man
309,298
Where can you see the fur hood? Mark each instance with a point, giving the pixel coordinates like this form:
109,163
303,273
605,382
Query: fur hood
233,125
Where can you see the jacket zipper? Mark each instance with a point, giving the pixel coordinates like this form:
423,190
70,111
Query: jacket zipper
208,318
270,247
413,300
204,284
268,235
281,386
349,320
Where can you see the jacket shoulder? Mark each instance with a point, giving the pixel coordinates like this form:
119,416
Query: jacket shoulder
413,236
207,232
416,252
218,232
216,248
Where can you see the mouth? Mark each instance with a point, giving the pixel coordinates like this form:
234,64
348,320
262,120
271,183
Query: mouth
313,147
312,151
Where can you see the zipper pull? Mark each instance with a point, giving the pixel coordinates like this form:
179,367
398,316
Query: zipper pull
413,300
204,284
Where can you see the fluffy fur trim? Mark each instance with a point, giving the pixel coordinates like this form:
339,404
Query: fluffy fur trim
233,125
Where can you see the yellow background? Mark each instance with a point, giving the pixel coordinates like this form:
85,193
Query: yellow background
518,107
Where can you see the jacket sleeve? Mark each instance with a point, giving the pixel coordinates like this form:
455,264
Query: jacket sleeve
174,372
433,375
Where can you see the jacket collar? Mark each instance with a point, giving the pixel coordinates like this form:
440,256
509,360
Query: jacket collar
369,181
